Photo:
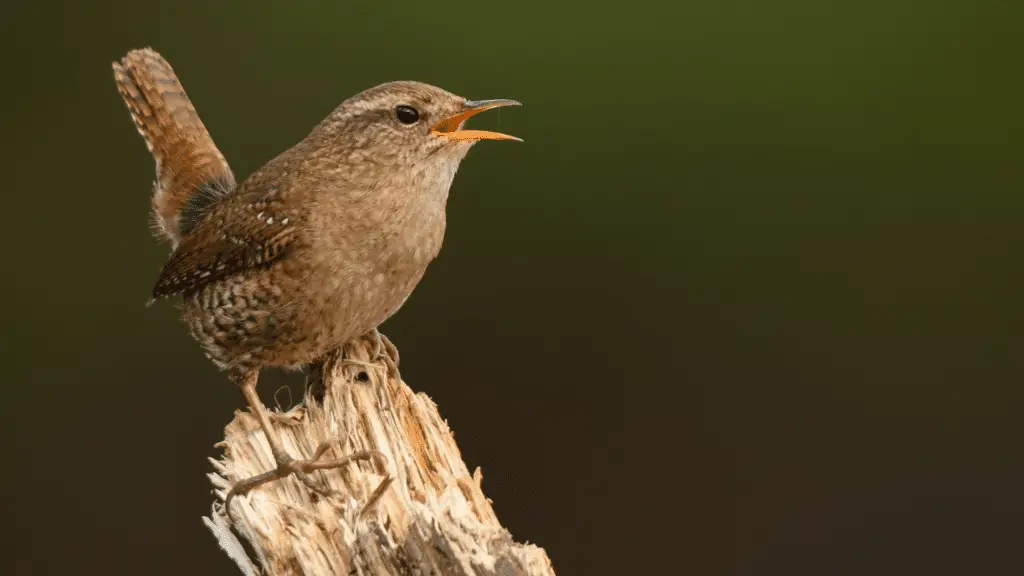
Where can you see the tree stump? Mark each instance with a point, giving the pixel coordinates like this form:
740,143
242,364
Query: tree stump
406,504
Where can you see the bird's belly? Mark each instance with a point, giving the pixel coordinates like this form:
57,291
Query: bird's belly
365,304
364,284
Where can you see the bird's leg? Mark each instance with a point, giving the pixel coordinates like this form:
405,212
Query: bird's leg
285,464
248,384
386,349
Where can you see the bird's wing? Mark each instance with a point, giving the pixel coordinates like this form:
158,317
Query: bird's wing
239,232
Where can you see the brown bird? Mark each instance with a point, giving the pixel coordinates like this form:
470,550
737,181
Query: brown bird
319,246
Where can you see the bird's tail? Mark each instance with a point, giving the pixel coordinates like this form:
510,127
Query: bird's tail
191,173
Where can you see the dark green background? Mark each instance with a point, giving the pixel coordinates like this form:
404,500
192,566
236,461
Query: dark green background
747,300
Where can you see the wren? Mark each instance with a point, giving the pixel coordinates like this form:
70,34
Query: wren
319,246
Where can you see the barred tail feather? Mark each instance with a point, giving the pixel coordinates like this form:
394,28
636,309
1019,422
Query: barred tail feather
191,173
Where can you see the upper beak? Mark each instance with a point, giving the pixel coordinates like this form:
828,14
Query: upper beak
451,127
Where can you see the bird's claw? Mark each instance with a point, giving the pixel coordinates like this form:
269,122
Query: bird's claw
385,350
301,468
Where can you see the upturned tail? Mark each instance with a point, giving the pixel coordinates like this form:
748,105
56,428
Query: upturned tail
191,173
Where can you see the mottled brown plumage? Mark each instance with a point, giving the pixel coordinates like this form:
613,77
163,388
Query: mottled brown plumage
317,247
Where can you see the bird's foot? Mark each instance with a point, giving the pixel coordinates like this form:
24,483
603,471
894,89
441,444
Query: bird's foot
386,350
286,466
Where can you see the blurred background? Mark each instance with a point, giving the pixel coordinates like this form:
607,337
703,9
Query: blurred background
747,300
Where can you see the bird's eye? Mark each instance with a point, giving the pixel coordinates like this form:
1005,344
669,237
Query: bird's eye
406,114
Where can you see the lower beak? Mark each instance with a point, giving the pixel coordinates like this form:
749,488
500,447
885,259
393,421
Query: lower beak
451,127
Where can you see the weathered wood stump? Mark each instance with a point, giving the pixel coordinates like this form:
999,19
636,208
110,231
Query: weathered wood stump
406,504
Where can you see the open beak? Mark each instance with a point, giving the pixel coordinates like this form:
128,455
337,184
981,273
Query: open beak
451,127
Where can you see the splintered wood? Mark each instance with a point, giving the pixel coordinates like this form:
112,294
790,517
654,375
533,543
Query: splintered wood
410,507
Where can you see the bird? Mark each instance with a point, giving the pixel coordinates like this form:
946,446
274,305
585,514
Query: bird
317,247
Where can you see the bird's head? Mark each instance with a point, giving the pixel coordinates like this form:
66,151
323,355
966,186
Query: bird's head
408,123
